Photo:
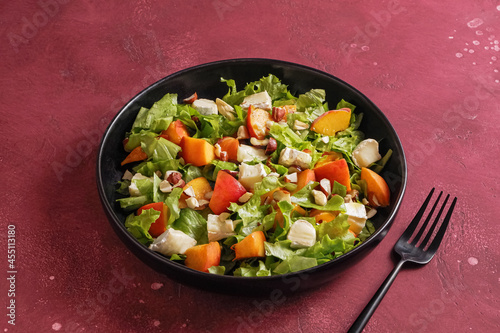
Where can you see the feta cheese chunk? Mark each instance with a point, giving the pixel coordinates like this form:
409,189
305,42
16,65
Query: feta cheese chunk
219,227
302,234
205,106
172,242
251,174
366,153
356,216
249,153
260,100
289,156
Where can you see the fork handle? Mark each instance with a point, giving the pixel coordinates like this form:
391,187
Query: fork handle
370,308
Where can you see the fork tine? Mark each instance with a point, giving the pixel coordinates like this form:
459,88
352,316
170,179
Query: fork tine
439,236
411,228
424,226
436,221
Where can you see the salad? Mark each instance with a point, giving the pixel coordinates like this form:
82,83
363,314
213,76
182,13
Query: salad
258,182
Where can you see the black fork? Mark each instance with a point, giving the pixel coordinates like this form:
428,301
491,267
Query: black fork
412,251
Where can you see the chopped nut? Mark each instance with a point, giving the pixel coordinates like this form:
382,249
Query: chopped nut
127,175
300,125
173,176
294,168
273,174
242,133
282,195
203,202
365,201
371,213
191,98
224,216
189,191
292,178
245,197
278,113
225,109
224,156
326,186
257,142
165,186
208,195
217,150
348,198
192,203
231,172
271,146
158,173
319,197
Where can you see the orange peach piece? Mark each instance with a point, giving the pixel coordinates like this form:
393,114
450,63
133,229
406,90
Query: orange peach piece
324,217
197,152
250,247
303,178
332,122
257,122
175,132
137,154
378,191
337,170
230,145
202,257
201,187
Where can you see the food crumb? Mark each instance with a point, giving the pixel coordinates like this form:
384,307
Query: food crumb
472,261
156,285
156,323
56,326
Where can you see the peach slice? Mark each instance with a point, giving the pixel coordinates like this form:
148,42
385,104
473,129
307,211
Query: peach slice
257,122
175,132
197,152
332,122
378,190
202,257
251,246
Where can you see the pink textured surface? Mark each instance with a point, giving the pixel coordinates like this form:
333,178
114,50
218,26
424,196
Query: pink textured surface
431,67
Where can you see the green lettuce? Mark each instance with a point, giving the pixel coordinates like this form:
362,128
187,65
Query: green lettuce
158,117
192,224
138,225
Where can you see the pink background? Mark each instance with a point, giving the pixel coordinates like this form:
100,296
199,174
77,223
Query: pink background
68,67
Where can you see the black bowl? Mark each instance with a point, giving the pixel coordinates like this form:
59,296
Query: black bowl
205,80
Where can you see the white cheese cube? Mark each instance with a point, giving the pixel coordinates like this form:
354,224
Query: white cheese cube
172,242
289,156
205,106
249,153
302,234
356,216
260,100
366,153
251,174
219,227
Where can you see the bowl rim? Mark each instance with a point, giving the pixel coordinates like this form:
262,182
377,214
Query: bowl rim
118,225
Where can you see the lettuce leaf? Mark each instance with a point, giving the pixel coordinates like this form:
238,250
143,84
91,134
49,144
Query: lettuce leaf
172,201
192,224
248,270
165,150
133,203
158,117
138,225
